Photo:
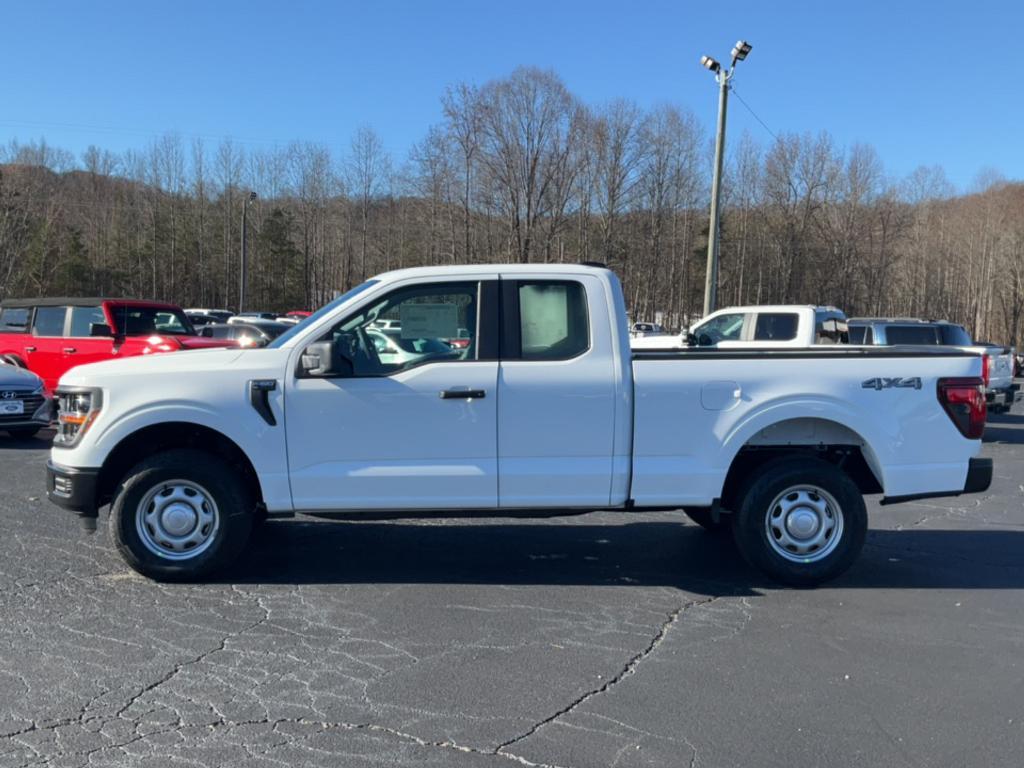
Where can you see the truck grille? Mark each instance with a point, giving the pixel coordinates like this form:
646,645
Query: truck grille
31,400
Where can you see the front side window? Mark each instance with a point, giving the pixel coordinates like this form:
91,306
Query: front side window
728,327
553,320
409,327
775,326
83,318
49,321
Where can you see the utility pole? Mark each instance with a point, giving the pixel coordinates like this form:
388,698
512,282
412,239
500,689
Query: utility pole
722,77
243,278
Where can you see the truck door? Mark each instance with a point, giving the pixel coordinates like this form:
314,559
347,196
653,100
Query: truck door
556,394
45,354
415,425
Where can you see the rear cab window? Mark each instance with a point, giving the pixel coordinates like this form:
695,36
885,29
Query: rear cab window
911,334
955,335
553,319
775,326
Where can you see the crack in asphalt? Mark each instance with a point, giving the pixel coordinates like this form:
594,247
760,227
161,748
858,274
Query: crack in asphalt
628,670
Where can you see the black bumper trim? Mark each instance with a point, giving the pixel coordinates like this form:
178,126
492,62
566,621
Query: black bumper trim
76,489
979,478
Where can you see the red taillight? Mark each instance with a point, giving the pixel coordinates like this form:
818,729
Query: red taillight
964,403
986,368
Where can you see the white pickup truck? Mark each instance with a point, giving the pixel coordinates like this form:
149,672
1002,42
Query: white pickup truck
766,325
545,409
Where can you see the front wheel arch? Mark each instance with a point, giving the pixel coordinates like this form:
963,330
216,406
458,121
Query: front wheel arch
159,438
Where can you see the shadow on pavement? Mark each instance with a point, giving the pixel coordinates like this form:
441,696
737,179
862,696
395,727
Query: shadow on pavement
41,441
666,554
1004,428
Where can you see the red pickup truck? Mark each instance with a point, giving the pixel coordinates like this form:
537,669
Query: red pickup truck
51,336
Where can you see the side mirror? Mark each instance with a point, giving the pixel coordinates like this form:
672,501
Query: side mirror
324,359
100,329
691,340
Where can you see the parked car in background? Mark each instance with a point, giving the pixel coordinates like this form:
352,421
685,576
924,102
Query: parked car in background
298,314
51,336
222,315
199,319
248,317
641,330
392,349
784,325
997,369
25,407
256,334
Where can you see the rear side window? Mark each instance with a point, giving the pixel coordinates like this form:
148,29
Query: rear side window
553,320
955,335
14,319
911,334
83,318
775,326
49,321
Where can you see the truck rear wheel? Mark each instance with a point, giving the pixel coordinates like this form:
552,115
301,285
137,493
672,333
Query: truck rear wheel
180,515
801,521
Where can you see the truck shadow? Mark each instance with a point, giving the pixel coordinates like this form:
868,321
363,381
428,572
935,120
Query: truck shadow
1004,428
659,554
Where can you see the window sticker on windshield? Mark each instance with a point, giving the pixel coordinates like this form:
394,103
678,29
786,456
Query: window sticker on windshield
429,321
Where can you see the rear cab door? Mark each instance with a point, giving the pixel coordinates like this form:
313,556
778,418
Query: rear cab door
563,412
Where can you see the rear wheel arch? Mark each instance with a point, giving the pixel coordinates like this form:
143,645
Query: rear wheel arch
159,438
819,438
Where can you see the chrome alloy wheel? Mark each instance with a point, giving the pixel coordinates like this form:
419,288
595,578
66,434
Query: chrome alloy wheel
177,520
804,524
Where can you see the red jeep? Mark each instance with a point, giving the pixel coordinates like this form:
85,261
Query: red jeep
51,336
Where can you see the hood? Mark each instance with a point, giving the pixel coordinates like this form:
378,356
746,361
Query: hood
13,377
172,364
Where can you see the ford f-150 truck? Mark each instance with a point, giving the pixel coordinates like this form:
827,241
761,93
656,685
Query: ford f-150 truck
780,325
545,409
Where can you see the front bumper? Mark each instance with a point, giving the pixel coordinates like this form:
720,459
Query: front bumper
979,478
72,488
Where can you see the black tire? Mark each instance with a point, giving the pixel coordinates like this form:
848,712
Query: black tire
235,506
702,517
752,524
23,433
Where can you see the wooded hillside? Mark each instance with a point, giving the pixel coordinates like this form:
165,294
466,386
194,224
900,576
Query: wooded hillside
519,170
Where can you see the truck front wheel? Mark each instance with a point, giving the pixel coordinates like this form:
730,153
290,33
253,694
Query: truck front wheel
181,515
801,521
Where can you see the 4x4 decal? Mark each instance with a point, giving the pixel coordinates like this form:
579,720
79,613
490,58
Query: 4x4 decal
914,382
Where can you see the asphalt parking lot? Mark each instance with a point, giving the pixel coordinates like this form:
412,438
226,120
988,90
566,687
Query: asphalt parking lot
598,640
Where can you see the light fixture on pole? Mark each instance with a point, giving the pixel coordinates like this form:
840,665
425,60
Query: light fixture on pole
722,76
244,271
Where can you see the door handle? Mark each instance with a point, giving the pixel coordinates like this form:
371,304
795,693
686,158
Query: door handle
30,349
462,394
69,350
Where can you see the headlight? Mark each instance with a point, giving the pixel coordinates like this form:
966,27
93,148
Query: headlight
77,409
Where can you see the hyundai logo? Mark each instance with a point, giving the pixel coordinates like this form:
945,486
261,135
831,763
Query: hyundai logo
8,395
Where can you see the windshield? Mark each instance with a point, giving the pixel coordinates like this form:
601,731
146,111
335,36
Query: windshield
326,309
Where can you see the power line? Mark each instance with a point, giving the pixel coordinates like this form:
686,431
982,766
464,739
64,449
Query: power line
756,117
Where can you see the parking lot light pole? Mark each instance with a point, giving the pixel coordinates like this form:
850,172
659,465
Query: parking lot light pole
243,277
722,76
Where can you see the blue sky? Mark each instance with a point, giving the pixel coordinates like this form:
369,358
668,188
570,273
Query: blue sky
924,82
